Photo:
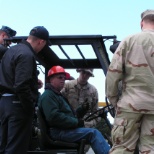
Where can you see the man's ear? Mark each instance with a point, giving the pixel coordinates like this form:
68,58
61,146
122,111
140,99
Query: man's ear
3,34
141,24
41,41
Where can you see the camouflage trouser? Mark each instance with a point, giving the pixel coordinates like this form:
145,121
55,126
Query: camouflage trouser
131,129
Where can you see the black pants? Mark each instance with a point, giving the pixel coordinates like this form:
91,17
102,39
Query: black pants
15,130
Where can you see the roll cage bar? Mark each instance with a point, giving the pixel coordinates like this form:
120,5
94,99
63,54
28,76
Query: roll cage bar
48,58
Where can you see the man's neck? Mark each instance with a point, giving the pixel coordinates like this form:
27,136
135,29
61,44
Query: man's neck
81,83
148,26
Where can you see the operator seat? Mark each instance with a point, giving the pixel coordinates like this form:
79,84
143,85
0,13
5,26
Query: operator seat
46,143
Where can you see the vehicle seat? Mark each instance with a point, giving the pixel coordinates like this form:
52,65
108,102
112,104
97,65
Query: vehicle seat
46,143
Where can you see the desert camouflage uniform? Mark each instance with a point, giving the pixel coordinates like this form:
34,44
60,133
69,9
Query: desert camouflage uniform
77,95
135,107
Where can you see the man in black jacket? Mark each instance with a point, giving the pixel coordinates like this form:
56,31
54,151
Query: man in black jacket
5,33
19,93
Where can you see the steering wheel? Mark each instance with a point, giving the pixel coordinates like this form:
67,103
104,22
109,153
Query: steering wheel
100,113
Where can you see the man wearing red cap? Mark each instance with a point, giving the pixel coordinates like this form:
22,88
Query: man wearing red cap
64,123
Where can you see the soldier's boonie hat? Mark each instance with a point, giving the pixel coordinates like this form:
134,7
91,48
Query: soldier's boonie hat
41,32
10,32
147,12
86,70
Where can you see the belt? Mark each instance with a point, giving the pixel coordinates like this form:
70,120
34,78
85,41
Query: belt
8,94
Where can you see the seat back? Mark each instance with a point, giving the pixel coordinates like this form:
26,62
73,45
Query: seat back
44,137
46,142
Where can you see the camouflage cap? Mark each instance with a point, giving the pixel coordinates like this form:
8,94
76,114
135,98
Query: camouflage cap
147,12
86,70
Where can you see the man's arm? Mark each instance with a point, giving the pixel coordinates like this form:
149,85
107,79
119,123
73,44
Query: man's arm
115,74
2,50
94,107
23,79
57,112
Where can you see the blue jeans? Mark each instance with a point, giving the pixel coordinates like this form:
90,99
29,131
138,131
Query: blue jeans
92,136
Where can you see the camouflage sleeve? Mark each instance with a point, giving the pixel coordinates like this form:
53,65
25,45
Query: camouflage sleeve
114,74
94,107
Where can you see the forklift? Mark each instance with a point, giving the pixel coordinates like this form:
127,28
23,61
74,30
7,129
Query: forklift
50,56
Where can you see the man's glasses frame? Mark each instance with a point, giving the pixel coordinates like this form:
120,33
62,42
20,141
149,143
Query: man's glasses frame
61,77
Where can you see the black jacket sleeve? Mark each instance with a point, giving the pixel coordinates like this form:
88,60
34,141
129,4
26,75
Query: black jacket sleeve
25,65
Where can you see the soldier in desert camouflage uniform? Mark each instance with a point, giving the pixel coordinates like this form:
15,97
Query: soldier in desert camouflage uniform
133,64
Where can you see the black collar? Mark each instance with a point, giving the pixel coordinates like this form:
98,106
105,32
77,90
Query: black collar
29,45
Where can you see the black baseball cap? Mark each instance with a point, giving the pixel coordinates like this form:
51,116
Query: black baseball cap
10,32
41,32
